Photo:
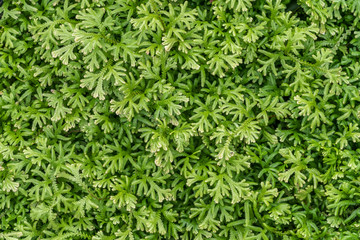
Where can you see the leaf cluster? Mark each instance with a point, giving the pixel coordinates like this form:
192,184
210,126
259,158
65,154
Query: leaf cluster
224,119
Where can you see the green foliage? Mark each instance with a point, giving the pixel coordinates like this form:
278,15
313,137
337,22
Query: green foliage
174,119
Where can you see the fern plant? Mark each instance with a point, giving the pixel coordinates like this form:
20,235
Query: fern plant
175,119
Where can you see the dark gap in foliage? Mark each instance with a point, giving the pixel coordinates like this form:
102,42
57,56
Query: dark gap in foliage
292,5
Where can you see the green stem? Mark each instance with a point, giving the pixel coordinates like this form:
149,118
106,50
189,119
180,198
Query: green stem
267,227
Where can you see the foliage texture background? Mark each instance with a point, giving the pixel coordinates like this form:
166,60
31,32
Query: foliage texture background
151,119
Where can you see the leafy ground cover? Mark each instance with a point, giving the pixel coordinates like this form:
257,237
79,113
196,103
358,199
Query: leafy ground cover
151,119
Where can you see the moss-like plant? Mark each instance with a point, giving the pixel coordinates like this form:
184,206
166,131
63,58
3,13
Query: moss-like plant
160,119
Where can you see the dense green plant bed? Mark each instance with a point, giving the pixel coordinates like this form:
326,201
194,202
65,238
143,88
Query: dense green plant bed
159,119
